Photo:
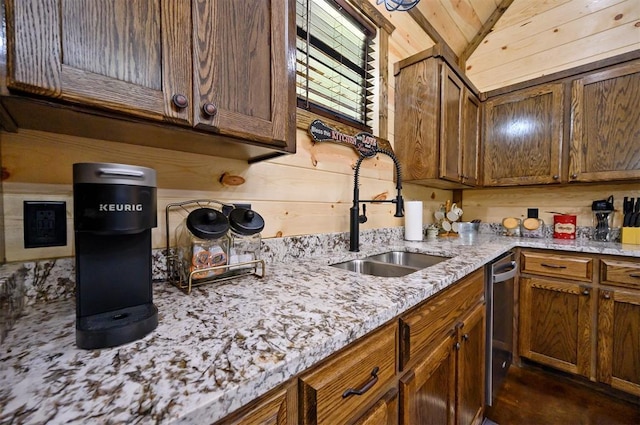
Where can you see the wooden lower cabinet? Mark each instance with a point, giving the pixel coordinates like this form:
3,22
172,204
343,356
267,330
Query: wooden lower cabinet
427,392
555,323
470,362
275,408
383,412
619,339
586,328
444,355
447,386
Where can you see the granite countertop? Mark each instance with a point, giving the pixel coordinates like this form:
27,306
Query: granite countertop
226,344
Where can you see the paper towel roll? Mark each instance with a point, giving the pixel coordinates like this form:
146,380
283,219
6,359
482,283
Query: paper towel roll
413,220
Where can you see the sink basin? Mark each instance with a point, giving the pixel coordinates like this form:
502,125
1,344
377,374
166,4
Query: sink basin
375,268
391,264
410,259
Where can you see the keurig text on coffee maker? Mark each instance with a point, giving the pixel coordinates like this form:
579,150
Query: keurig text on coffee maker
115,209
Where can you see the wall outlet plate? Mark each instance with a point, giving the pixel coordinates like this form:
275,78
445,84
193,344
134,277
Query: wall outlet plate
45,223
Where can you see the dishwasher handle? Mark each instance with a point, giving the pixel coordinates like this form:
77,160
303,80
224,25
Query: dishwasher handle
511,269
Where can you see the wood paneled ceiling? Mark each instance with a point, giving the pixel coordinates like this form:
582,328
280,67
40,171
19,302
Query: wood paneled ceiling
502,42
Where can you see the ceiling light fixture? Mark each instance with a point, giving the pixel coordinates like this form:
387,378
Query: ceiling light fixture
400,5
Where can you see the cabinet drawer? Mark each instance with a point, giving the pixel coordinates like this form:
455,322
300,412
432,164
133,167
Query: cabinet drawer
437,316
620,273
324,389
557,265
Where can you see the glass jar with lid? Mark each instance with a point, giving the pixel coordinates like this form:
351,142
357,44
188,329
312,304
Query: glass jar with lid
245,227
203,244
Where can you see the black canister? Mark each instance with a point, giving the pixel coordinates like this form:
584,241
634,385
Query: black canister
115,209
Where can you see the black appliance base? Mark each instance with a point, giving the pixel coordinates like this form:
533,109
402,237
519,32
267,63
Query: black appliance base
116,327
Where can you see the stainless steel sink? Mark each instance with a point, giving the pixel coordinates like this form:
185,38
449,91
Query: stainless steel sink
410,259
391,264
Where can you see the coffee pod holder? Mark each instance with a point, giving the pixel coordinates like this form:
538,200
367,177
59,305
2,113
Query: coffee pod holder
216,274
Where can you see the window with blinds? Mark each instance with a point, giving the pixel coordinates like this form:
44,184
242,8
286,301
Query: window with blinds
334,61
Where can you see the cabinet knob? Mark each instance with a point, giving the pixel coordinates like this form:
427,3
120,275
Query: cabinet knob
574,176
585,292
556,177
180,101
456,345
465,337
606,295
209,110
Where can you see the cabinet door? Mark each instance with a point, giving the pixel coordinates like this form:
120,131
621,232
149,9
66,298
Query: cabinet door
427,392
383,412
471,355
130,57
619,339
605,125
244,78
451,96
523,137
555,324
470,138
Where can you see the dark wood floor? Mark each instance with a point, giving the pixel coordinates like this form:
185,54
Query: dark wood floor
534,396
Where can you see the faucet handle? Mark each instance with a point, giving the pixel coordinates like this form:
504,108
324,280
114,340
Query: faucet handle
399,206
363,218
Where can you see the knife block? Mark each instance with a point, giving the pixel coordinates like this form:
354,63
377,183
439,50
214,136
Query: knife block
631,235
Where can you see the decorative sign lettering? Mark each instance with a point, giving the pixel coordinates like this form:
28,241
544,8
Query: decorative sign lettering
364,143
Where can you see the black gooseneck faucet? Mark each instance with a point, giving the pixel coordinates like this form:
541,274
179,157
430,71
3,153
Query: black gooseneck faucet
354,212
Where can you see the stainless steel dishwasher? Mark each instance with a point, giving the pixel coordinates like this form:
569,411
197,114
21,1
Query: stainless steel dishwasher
500,276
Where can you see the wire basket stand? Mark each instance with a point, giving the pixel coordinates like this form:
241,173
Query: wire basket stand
220,273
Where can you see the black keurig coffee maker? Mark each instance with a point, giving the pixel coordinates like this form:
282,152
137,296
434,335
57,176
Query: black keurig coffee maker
114,209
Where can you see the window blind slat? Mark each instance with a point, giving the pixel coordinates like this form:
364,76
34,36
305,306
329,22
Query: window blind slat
334,61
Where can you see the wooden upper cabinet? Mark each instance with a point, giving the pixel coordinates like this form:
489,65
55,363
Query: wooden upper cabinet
605,130
436,124
523,137
452,91
470,139
130,57
241,69
459,130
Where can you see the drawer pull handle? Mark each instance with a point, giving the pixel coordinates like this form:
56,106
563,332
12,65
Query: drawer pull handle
636,275
553,266
366,387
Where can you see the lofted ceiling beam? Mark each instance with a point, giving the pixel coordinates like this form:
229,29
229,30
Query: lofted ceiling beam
483,32
426,26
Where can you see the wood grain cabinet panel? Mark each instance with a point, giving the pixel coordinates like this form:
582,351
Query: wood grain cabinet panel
437,122
523,134
428,391
278,407
243,84
619,339
384,412
555,324
620,273
425,325
471,356
367,366
443,352
605,125
222,66
557,265
96,53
